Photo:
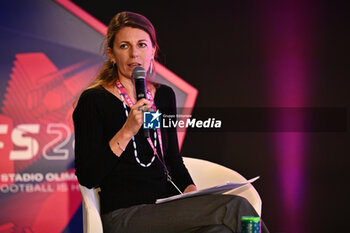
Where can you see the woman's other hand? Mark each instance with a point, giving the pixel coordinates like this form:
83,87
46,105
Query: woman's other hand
190,188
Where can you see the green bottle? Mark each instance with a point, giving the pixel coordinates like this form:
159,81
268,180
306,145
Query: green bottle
250,224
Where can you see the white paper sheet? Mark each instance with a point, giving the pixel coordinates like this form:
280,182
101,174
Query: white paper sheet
213,190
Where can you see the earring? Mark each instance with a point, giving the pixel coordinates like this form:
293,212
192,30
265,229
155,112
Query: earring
151,67
114,69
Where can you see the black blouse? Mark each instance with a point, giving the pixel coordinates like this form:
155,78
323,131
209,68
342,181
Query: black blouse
123,182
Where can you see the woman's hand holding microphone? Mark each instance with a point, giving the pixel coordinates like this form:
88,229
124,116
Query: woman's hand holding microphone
131,126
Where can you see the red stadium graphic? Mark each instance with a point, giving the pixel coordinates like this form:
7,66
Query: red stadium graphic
39,102
37,114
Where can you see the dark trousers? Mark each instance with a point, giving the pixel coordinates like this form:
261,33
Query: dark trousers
203,214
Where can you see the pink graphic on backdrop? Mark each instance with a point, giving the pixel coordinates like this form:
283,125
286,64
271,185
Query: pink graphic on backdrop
49,210
38,94
6,146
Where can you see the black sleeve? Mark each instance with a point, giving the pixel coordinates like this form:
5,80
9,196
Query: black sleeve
174,161
93,157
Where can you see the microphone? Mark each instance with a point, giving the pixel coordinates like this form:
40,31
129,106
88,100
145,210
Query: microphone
139,74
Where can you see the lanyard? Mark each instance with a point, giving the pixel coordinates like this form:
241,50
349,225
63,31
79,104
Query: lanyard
126,98
130,103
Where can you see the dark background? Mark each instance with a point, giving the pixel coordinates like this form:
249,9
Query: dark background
219,47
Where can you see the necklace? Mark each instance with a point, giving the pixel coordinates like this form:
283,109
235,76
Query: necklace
154,146
121,89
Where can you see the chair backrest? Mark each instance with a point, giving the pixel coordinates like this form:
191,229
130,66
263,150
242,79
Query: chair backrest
91,210
205,174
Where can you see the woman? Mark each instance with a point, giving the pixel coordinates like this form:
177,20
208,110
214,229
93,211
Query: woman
133,171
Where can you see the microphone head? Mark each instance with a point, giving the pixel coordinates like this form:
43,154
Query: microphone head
139,73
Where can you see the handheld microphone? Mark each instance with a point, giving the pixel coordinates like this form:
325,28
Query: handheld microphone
139,75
